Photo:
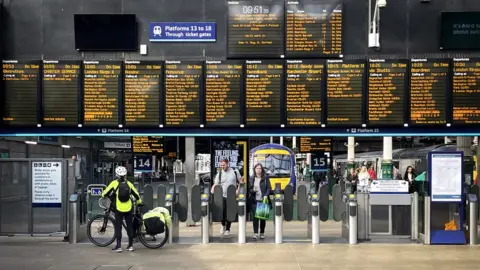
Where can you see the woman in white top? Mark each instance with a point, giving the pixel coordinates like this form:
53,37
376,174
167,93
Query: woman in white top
363,179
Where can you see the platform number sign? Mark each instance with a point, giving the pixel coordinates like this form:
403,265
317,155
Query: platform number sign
319,162
143,163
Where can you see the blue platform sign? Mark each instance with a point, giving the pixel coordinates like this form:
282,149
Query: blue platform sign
143,163
97,191
319,162
183,32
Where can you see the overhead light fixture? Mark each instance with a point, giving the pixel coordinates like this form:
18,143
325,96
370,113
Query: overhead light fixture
381,3
31,142
65,146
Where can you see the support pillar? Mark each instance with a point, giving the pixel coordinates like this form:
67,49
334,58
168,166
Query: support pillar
281,140
387,168
189,169
271,139
350,154
294,142
465,144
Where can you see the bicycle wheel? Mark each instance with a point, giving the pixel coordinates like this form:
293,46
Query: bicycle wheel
154,241
103,226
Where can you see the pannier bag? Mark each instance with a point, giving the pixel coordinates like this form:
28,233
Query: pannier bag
156,219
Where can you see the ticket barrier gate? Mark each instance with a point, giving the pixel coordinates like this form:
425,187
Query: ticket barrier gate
349,220
278,199
242,214
177,205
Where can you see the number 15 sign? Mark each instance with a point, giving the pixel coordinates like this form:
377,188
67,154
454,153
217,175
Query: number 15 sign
319,162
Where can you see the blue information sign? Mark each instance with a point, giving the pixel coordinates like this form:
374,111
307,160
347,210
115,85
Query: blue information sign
183,32
143,163
319,162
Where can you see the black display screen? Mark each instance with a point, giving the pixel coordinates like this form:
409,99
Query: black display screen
263,91
387,80
21,83
183,88
345,81
61,88
223,91
255,28
304,92
101,87
429,82
460,31
143,81
314,28
105,32
466,91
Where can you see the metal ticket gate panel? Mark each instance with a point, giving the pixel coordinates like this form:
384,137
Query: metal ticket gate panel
161,193
182,204
232,206
324,202
302,203
475,190
337,203
148,196
195,203
288,203
217,204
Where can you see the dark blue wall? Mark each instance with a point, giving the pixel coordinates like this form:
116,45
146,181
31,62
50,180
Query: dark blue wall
36,29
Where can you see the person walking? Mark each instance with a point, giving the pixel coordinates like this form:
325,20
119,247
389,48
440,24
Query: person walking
259,191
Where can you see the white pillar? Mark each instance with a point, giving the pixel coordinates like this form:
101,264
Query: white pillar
271,139
351,149
387,149
281,140
465,144
294,142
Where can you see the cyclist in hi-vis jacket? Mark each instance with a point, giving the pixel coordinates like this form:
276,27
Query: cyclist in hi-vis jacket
120,192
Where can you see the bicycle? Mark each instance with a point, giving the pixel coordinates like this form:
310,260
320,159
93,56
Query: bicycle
106,218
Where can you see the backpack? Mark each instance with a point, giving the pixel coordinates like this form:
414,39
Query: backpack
154,222
123,191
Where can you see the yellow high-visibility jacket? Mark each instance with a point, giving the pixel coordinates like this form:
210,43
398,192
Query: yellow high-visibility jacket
123,207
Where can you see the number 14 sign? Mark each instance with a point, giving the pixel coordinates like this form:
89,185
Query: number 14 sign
319,162
143,163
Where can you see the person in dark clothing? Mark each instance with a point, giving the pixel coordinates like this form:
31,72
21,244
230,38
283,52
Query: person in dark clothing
259,189
410,176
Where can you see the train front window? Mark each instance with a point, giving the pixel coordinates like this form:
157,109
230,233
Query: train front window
276,165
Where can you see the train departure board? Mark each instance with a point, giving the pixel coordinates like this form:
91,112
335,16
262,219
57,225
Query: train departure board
314,28
304,88
147,144
263,91
315,144
183,88
142,80
61,88
466,91
101,84
255,28
345,80
386,91
21,81
428,84
223,92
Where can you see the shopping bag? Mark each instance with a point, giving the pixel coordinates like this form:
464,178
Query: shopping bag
263,210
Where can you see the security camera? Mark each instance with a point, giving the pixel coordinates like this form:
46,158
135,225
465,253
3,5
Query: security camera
381,3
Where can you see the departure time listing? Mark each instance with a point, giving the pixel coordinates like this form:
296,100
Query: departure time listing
21,83
101,82
345,81
255,28
263,92
428,82
304,85
183,82
386,91
142,93
224,80
466,91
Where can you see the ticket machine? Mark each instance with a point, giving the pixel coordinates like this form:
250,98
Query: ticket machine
242,214
205,213
278,214
315,214
170,202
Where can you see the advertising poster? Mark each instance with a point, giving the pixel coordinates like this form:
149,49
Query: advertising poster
233,150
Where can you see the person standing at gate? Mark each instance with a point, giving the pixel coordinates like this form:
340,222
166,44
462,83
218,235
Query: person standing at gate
226,177
259,188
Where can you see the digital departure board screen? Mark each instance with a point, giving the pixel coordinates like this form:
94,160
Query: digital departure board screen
101,86
142,80
223,91
466,91
61,88
304,88
263,91
387,80
147,144
314,28
428,85
183,88
345,80
21,81
255,28
315,144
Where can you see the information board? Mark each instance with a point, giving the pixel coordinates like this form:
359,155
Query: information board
61,88
345,81
460,30
387,80
304,92
223,93
315,144
429,83
147,144
21,84
47,184
263,87
101,86
314,28
384,186
466,91
183,88
143,81
446,176
255,28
